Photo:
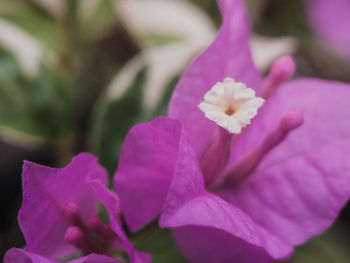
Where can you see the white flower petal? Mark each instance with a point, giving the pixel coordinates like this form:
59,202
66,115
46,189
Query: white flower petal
231,105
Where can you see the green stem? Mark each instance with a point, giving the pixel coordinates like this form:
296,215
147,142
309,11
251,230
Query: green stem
69,27
70,36
145,233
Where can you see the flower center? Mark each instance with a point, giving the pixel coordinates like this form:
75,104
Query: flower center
231,105
89,235
229,111
248,163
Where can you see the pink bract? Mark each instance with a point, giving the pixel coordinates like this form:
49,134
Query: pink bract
16,255
330,21
55,200
292,194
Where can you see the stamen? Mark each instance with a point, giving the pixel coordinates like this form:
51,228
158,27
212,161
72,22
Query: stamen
95,226
90,235
216,157
73,213
231,105
76,237
292,120
281,70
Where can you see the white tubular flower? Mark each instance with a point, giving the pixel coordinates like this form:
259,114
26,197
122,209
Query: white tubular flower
231,105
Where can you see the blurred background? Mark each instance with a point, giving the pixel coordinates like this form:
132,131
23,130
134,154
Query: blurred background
75,75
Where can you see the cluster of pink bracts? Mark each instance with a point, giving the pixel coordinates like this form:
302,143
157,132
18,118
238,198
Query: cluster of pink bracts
241,198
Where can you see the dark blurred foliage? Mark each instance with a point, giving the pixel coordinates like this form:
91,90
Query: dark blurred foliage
211,9
113,48
46,118
12,156
289,18
109,131
37,106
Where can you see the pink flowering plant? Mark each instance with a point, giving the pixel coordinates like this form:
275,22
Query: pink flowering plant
58,216
244,168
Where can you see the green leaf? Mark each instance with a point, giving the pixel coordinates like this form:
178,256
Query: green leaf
102,18
161,39
162,108
115,118
284,18
37,107
14,91
32,19
162,247
49,103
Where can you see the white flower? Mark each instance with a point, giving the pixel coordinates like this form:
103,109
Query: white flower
231,105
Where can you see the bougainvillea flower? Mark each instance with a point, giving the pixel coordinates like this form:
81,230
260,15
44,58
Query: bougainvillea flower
16,255
233,191
330,21
58,213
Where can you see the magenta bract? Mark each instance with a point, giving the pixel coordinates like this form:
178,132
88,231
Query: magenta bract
330,20
58,215
276,189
